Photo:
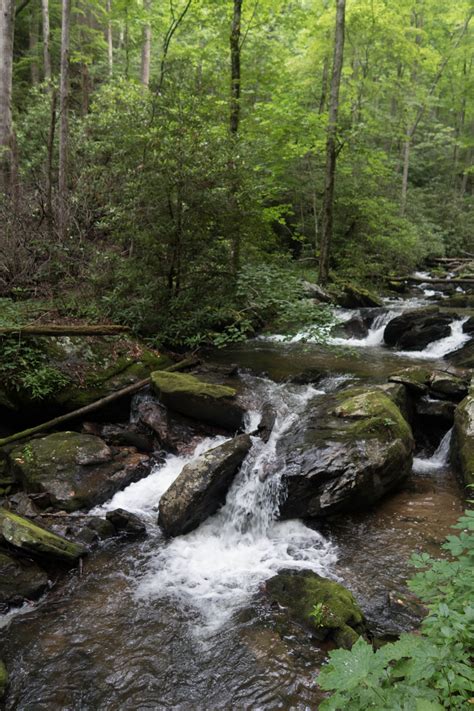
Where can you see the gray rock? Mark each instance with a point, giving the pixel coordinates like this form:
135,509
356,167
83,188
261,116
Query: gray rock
443,409
127,523
20,579
449,386
414,330
267,422
201,487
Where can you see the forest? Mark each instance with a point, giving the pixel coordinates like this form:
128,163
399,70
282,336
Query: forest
236,354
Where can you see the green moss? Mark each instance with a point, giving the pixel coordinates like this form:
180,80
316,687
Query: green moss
464,439
301,593
374,415
24,534
182,384
3,679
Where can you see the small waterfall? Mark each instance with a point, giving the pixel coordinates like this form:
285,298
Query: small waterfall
218,567
438,349
438,460
375,335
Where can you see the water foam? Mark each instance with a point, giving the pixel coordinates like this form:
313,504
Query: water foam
438,460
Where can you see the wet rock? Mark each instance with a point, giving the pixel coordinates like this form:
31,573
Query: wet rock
355,327
449,386
3,679
173,431
464,357
323,606
468,327
399,394
207,402
267,422
201,487
21,504
416,379
76,471
414,330
102,528
127,523
20,579
353,448
308,376
316,292
406,610
354,297
120,435
31,539
462,446
442,409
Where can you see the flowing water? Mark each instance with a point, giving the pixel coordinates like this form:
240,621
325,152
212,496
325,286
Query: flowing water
183,623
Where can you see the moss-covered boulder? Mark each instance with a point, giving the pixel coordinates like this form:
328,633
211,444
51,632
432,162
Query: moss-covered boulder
448,386
415,378
20,579
323,606
31,539
462,446
193,397
3,679
350,449
81,370
75,471
201,487
355,297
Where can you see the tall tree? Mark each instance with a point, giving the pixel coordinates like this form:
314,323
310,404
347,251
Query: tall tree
331,147
146,46
7,30
46,41
64,119
235,93
110,44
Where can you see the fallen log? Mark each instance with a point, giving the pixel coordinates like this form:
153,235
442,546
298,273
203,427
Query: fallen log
97,405
421,280
61,330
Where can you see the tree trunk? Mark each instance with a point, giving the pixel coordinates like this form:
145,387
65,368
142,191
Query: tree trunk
33,46
49,163
331,151
46,47
146,46
406,169
7,30
110,44
235,93
64,122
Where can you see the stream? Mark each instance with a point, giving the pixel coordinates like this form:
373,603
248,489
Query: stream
183,623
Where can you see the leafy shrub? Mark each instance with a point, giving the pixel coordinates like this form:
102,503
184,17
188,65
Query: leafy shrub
425,672
24,367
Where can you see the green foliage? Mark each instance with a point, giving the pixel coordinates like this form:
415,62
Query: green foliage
24,367
423,672
318,614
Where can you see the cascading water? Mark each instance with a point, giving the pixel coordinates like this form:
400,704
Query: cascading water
217,568
438,460
438,349
375,335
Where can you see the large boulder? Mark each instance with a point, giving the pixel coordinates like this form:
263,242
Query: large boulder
353,448
322,606
355,297
75,471
462,447
201,487
207,402
31,539
464,357
414,330
20,579
449,386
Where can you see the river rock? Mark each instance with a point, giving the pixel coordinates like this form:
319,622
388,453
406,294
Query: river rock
316,292
127,523
120,435
207,402
442,409
462,446
415,378
20,579
351,449
76,471
414,330
468,327
464,357
355,297
267,421
323,606
449,386
31,539
201,487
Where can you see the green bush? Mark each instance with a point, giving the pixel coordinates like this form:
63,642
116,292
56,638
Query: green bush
425,672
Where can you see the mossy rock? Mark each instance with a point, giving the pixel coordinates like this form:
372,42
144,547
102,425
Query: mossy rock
207,402
23,534
75,471
3,679
323,606
463,440
356,297
415,378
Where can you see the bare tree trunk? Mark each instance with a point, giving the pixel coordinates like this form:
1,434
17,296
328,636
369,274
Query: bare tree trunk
64,122
146,46
406,169
324,86
110,44
7,30
33,46
49,164
235,93
331,150
46,35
